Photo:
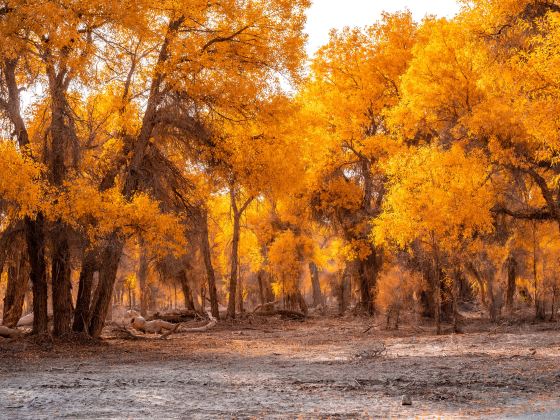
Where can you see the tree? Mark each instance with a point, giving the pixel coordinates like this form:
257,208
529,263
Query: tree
353,83
440,198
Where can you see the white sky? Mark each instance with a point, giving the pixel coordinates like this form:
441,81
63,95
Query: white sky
326,14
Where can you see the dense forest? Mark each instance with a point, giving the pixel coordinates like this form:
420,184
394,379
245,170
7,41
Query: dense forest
169,154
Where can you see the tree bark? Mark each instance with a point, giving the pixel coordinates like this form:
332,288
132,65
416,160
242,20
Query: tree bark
15,292
110,257
315,284
240,293
437,292
61,285
237,213
82,312
143,279
187,291
35,237
455,297
210,275
367,276
234,262
511,278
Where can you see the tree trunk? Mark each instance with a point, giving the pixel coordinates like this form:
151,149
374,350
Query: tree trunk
15,292
260,275
234,262
437,293
240,292
143,279
455,297
82,312
511,277
210,275
316,285
187,291
367,277
35,237
110,258
492,307
342,290
61,285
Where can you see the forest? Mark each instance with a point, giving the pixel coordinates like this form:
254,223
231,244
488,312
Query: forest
174,159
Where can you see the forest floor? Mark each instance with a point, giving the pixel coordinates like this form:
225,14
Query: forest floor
320,368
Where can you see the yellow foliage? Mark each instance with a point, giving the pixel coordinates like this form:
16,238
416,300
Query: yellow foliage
21,186
437,196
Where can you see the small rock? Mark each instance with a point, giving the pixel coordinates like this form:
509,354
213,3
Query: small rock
406,400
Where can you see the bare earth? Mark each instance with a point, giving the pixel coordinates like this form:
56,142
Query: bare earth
322,368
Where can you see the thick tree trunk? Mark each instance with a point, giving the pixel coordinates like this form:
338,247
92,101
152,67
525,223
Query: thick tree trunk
187,291
492,304
234,262
367,277
265,289
143,279
61,285
82,312
210,275
110,259
15,292
317,295
511,278
35,237
343,290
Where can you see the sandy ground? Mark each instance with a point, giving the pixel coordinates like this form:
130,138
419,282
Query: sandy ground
322,368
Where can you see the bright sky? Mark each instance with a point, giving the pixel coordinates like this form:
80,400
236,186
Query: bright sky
326,14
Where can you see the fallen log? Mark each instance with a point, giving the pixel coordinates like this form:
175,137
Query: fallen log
157,326
211,324
9,332
176,316
266,306
284,314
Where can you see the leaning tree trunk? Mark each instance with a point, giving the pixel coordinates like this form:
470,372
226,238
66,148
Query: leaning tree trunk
81,314
210,275
15,292
110,258
187,291
35,237
316,285
61,285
